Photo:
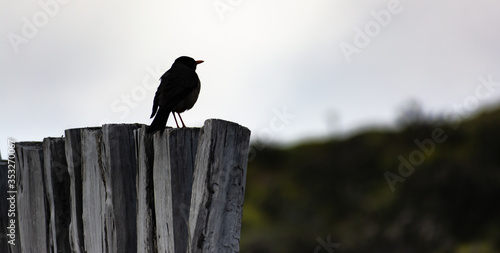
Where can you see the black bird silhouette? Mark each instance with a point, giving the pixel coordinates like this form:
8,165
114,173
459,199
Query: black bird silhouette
178,91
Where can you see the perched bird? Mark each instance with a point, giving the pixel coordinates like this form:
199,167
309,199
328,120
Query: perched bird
178,91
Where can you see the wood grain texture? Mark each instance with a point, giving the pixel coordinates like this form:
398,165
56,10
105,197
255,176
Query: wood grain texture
73,147
218,187
146,219
31,203
178,190
120,168
56,181
175,151
93,192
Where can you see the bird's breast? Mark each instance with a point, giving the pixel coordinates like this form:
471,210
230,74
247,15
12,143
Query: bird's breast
189,101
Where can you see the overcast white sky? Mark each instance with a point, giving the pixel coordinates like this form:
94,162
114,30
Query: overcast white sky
288,70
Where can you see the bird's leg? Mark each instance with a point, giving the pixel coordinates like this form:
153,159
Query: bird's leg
183,126
173,113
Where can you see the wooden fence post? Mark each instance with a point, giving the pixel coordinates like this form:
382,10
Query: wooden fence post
179,190
146,218
120,168
31,205
56,181
218,187
175,151
73,144
108,172
93,191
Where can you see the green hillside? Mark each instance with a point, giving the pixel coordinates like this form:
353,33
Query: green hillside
336,196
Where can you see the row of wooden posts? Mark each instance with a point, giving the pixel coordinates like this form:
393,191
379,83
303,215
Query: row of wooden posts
118,189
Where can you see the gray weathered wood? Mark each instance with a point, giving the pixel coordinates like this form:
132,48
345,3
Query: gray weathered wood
109,193
73,146
218,187
31,203
146,220
175,152
93,192
120,168
179,190
56,181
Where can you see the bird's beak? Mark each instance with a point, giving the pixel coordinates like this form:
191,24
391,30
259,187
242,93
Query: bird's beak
198,62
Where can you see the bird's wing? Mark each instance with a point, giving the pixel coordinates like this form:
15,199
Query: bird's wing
175,85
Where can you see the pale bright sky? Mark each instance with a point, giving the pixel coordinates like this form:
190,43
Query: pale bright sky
289,70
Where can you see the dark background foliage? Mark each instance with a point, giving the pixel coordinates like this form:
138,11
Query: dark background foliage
336,192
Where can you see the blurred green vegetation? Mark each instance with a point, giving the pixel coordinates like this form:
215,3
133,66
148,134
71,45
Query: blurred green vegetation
335,191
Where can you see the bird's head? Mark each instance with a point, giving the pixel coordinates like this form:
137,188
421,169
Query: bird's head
187,61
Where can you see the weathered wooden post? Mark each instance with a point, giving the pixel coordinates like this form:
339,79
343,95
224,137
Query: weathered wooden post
42,196
56,181
73,143
218,187
31,205
109,169
93,191
179,190
146,217
120,168
198,197
175,151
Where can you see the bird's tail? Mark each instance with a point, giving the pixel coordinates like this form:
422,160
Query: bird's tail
159,121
